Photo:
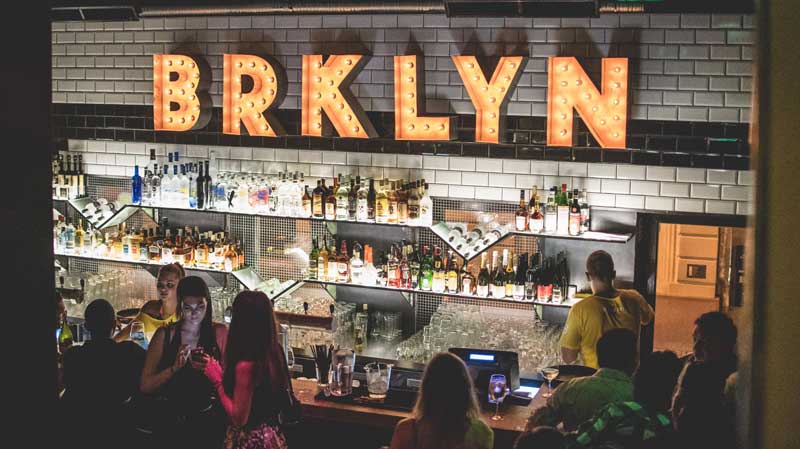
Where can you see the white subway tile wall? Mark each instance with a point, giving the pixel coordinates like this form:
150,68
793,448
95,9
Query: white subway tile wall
485,180
655,42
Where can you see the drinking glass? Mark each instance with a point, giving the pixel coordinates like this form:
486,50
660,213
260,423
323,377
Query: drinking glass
498,390
549,374
137,334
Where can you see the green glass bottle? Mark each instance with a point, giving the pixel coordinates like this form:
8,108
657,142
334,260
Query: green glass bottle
426,270
312,260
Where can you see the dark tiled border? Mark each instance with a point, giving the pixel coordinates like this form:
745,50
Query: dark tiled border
669,143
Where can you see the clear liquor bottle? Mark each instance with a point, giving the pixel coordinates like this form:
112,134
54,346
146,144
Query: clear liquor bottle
426,208
342,201
362,205
356,265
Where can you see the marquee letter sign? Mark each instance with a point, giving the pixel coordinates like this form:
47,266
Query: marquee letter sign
179,104
490,99
252,108
325,88
605,114
409,124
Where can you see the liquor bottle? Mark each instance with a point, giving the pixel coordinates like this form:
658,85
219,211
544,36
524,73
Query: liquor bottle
426,270
356,265
413,204
201,254
68,237
562,211
536,221
392,269
313,260
155,186
452,273
475,235
167,248
153,249
414,267
342,264
521,216
330,201
81,177
438,284
519,279
550,212
362,203
192,186
318,201
382,268
575,215
393,203
534,199
184,186
482,288
381,205
467,280
79,238
498,287
402,205
508,259
372,198
306,203
333,263
585,215
342,201
531,275
201,189
136,196
370,275
322,262
208,183
405,266
426,208
231,262
352,199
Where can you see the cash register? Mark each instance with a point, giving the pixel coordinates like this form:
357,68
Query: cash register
482,363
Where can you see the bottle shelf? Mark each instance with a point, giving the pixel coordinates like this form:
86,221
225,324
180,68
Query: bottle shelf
430,292
589,236
246,276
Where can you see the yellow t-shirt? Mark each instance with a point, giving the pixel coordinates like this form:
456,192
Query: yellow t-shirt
151,324
590,318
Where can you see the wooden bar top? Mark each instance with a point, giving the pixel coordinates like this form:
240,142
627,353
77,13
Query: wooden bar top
514,417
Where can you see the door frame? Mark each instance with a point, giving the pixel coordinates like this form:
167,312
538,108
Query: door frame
646,260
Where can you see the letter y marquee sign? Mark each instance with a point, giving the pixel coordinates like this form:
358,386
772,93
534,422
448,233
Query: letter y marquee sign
181,101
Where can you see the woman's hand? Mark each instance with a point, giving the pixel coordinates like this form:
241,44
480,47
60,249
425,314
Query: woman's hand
213,370
181,358
199,363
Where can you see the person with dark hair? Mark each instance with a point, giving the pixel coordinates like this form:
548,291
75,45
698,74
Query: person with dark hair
579,399
446,415
699,414
714,342
186,397
646,419
542,437
164,310
255,386
608,308
100,376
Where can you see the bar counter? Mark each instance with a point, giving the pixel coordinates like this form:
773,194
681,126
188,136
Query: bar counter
383,420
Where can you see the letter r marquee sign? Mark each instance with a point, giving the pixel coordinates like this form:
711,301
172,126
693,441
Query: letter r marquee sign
181,101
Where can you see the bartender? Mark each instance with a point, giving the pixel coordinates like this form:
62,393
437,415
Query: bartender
608,308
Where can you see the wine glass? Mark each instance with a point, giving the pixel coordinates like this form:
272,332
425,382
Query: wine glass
289,358
137,334
549,374
498,390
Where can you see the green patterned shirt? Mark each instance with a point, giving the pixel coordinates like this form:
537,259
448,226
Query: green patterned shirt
626,424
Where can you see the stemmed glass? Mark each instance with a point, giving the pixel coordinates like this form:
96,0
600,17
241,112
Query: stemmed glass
498,390
549,374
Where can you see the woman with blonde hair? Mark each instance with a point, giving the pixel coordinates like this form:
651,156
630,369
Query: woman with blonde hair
446,415
164,310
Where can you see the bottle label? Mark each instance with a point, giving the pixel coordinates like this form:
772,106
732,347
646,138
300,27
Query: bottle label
563,220
362,210
541,293
228,265
537,225
402,212
498,291
521,223
482,290
452,283
574,223
466,286
201,255
317,206
320,269
330,211
342,269
413,211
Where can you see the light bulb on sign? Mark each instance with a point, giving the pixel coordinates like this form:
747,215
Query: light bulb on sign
563,132
355,129
426,127
252,64
410,65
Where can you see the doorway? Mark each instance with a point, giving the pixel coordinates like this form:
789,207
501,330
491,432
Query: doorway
686,282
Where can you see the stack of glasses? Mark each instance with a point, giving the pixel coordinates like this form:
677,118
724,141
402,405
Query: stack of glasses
221,303
470,326
117,287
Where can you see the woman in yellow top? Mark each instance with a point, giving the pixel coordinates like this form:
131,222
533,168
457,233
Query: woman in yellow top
162,311
608,308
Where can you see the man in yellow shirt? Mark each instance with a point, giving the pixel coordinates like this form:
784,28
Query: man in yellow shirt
608,308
